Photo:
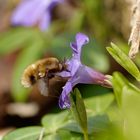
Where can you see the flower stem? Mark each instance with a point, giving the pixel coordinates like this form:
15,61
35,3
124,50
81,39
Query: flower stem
85,135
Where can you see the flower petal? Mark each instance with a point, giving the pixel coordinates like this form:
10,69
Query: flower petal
34,12
24,14
64,101
73,66
45,21
90,76
84,75
54,3
73,45
81,39
64,74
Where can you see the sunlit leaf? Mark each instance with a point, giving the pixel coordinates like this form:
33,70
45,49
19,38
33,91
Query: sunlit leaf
99,103
26,133
124,61
54,136
131,110
115,114
52,122
64,135
96,123
72,126
119,83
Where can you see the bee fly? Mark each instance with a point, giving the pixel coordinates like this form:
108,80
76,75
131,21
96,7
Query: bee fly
43,72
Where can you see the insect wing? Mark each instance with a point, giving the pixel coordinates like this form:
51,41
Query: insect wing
43,87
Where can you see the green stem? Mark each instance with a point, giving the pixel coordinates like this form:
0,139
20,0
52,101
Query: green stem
85,135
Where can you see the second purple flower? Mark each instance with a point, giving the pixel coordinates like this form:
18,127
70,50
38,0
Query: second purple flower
34,12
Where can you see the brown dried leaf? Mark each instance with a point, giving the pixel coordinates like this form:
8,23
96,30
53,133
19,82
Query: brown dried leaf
134,39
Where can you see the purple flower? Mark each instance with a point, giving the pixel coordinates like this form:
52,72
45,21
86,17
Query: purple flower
78,72
34,12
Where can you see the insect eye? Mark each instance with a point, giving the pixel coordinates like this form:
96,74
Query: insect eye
50,75
33,79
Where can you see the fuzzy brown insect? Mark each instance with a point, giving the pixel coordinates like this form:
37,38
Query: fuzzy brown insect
43,72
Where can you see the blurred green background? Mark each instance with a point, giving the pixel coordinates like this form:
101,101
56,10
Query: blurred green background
104,22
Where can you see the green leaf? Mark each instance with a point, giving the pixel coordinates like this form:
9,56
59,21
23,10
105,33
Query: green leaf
26,133
54,136
27,56
75,136
78,109
56,121
96,123
15,39
64,135
99,104
119,83
131,110
72,126
124,61
115,114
